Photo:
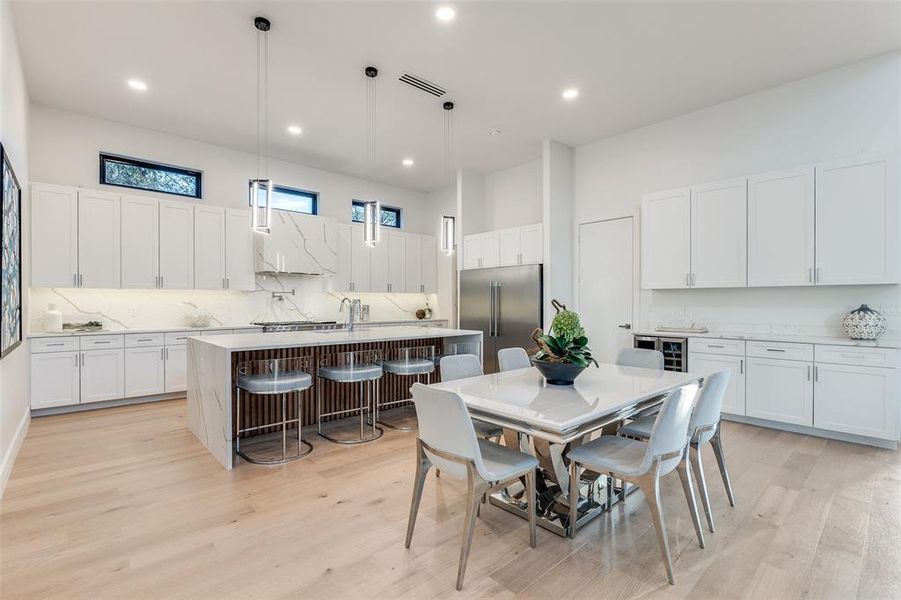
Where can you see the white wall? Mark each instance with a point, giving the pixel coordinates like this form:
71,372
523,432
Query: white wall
65,148
513,197
14,413
557,215
441,203
844,112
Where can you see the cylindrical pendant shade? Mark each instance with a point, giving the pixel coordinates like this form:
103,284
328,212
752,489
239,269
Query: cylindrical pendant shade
261,201
448,234
371,222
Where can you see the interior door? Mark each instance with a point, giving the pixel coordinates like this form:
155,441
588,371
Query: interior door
517,307
719,239
606,285
140,242
99,250
209,248
475,310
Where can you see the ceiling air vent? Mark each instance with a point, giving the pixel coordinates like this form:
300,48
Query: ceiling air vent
422,84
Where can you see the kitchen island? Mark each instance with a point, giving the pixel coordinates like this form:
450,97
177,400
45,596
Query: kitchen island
212,362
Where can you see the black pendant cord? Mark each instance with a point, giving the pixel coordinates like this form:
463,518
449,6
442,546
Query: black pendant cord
263,26
449,138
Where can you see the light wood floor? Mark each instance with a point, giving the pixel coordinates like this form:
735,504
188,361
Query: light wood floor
125,503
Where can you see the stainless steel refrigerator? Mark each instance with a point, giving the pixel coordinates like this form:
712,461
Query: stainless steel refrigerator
504,304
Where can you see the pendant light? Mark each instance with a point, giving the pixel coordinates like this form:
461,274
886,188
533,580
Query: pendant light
448,224
261,187
372,210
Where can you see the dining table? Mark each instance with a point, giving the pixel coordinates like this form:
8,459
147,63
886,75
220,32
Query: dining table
549,420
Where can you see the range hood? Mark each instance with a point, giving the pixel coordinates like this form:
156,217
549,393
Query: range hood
297,244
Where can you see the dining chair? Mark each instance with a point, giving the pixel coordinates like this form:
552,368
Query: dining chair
644,463
644,358
704,427
448,440
509,359
461,366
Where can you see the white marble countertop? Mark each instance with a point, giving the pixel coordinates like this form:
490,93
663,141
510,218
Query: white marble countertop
523,395
291,339
199,330
775,337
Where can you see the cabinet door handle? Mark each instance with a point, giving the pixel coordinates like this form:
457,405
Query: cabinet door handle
162,353
74,279
101,342
775,350
808,372
58,344
167,354
818,275
715,346
816,374
228,283
692,280
161,281
741,367
76,362
687,283
810,275
144,339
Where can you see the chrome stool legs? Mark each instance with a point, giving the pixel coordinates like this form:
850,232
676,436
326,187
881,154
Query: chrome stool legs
370,407
303,447
428,381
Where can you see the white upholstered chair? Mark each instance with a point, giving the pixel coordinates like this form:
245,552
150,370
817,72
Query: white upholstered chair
640,357
509,359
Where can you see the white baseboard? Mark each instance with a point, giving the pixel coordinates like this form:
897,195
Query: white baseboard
10,457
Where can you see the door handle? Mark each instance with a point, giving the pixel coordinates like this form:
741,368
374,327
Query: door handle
625,326
490,309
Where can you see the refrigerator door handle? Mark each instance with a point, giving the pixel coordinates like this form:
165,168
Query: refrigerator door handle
497,309
490,309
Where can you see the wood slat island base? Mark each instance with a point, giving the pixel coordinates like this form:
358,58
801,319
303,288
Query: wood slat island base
212,364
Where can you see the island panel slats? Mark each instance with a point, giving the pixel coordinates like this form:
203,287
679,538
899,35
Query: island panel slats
259,410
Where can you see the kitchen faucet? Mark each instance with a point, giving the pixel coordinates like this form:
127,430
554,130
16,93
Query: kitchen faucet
354,309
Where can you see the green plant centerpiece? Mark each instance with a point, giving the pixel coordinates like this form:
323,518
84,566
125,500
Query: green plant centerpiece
563,353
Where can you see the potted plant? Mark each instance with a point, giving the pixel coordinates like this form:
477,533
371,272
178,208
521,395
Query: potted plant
563,352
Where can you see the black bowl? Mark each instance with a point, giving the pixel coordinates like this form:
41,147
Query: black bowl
557,373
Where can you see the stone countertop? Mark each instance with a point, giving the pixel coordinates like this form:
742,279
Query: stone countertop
891,343
293,339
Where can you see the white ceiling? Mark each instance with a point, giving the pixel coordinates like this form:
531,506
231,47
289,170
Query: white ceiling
504,64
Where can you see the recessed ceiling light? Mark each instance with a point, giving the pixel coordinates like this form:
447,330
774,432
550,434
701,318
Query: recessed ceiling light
494,132
137,85
294,129
570,94
407,162
445,13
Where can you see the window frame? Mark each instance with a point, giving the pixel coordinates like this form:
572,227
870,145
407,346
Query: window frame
314,196
384,208
146,164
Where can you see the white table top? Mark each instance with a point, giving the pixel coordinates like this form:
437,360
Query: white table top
291,339
522,396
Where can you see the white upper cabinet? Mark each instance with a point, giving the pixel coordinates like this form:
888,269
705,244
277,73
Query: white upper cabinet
298,243
719,234
504,247
857,222
397,259
666,239
54,236
209,248
413,260
353,261
781,228
429,264
378,261
140,242
361,259
531,244
239,273
176,245
99,248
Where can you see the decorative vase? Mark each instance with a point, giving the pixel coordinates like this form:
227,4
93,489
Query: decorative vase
864,323
558,373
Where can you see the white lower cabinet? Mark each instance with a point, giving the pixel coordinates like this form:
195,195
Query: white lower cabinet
705,364
54,379
176,368
102,375
780,390
145,373
857,400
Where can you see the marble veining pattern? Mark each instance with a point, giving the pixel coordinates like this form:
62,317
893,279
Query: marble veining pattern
209,400
146,309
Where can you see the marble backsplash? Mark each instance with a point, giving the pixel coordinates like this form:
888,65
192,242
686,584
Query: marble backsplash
146,309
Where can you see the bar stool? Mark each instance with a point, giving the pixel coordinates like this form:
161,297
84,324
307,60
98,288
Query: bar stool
274,377
408,362
363,367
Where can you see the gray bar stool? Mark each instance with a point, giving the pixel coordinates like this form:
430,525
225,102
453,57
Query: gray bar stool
413,362
274,377
363,367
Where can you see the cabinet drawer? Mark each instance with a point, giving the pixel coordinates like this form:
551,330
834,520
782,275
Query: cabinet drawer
179,338
783,350
852,355
136,340
54,344
100,342
711,346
